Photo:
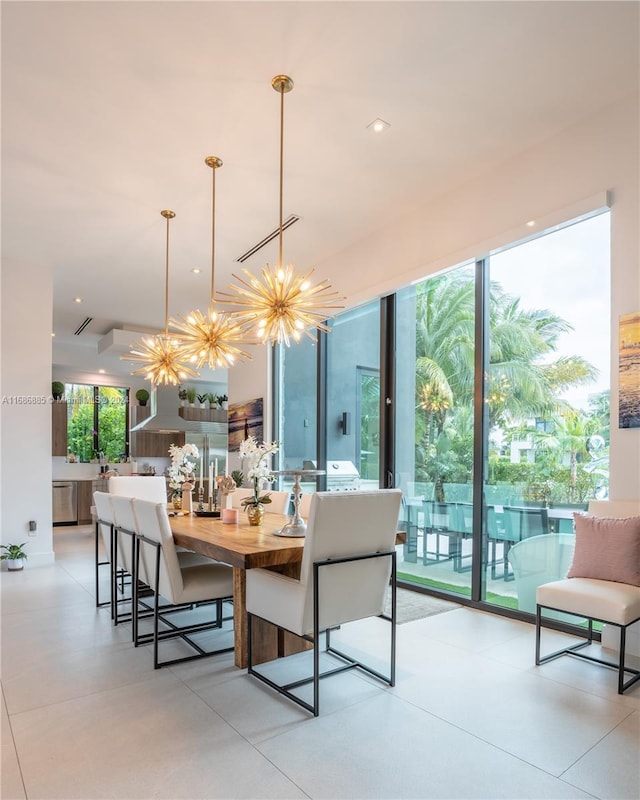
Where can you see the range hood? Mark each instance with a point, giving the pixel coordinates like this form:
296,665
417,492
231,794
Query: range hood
165,416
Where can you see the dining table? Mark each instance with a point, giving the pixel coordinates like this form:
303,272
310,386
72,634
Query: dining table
244,547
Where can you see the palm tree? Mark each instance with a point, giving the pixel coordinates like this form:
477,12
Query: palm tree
524,379
521,343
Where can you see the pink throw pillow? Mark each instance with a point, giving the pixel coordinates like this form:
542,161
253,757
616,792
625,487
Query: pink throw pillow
607,549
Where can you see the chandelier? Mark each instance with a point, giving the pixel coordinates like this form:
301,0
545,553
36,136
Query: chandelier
282,304
162,355
213,338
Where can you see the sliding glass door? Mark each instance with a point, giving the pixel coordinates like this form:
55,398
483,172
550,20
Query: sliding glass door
548,404
434,389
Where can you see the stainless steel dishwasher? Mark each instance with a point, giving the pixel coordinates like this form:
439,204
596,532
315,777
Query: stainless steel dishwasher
65,502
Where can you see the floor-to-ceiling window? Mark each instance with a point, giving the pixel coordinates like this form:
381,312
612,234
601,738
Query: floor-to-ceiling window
296,423
500,409
434,390
353,399
547,396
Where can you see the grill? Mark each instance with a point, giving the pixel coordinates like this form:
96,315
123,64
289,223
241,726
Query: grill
341,475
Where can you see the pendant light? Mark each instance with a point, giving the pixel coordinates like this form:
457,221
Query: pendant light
213,338
162,356
282,304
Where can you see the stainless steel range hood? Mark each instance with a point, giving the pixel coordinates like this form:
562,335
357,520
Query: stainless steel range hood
165,416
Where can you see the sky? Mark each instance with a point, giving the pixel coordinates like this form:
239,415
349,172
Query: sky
568,273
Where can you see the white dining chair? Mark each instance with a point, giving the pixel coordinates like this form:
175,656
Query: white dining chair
153,487
239,495
179,587
104,533
348,561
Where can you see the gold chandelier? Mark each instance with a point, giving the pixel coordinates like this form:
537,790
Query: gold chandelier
162,355
283,304
213,338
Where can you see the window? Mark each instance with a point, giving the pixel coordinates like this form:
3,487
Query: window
97,421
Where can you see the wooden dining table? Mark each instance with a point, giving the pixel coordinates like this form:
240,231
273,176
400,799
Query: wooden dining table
244,547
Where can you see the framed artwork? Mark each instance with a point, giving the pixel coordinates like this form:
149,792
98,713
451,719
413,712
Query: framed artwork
245,419
629,371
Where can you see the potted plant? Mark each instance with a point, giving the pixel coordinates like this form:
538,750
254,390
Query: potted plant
191,395
257,457
202,399
182,396
238,477
213,400
222,400
57,390
14,555
142,396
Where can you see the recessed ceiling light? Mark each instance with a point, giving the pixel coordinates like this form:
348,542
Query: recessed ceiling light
77,299
196,271
101,371
378,125
53,334
531,223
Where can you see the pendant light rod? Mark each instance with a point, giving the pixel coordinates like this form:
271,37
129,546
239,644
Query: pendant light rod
282,84
214,162
167,214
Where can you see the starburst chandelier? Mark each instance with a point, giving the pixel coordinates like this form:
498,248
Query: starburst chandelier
213,338
282,304
162,356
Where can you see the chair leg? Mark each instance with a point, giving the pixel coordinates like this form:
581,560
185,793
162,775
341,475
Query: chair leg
623,641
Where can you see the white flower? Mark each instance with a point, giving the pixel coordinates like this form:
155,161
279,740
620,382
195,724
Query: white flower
258,466
183,462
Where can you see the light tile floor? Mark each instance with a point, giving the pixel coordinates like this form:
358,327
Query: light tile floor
84,715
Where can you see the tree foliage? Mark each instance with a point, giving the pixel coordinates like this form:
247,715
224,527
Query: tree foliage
524,382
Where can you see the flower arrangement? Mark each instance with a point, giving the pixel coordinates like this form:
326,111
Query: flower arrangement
182,469
258,468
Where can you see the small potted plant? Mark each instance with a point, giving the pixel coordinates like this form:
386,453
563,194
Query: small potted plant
223,400
213,400
142,396
57,390
203,399
191,395
182,396
14,555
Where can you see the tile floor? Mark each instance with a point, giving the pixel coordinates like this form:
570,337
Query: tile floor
84,715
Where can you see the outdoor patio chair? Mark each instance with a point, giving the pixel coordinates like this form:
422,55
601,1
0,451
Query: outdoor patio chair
538,560
508,525
441,519
350,542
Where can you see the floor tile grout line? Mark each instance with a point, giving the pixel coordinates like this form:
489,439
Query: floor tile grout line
244,738
601,739
13,741
490,744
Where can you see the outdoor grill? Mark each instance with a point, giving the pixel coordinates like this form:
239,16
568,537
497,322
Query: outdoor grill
341,475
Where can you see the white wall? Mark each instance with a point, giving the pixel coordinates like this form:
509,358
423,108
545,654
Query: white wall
25,427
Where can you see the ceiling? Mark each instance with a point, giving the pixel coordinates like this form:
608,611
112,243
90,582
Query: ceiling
109,109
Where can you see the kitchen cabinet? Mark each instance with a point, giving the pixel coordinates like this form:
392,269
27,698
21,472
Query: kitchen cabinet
85,501
150,444
59,428
203,414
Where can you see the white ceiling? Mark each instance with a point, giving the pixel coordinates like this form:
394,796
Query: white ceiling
108,110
